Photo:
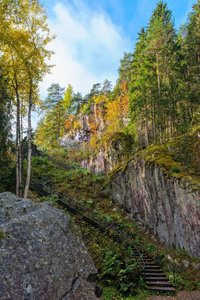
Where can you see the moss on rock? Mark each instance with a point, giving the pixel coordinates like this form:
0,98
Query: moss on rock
178,158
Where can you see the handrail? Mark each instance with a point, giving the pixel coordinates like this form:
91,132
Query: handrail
108,224
116,224
174,268
78,207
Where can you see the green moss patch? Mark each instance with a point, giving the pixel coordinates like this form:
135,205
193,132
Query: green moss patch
179,158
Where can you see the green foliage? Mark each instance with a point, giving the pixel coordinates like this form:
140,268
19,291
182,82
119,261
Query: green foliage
179,157
161,89
38,160
74,180
122,271
52,198
175,169
111,293
67,103
86,108
51,127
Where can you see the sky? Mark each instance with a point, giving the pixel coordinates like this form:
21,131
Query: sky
93,35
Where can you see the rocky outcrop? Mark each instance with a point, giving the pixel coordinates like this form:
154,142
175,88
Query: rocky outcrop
86,135
116,150
42,255
103,162
168,209
78,136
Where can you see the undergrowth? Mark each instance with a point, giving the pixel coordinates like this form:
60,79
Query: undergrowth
118,271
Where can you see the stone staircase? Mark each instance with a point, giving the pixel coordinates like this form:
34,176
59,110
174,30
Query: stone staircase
153,275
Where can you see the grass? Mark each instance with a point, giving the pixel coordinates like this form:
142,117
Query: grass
111,293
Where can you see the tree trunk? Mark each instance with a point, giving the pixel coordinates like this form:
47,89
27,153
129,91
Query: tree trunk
29,144
21,151
146,128
18,146
159,101
59,119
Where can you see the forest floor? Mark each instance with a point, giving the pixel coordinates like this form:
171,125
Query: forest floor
180,296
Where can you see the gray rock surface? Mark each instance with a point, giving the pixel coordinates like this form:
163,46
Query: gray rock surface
42,255
107,157
170,210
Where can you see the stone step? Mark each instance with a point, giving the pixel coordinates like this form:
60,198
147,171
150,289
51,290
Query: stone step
153,273
162,289
155,278
153,268
158,278
159,284
149,263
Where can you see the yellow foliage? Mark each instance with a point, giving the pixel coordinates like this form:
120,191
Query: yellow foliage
77,125
93,142
100,98
69,122
116,111
93,126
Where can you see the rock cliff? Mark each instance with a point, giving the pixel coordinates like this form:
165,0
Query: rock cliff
42,255
102,162
170,210
101,149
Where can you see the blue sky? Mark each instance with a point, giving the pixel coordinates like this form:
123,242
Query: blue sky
92,36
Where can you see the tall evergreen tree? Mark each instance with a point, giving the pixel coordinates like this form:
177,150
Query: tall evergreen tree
161,36
153,75
55,111
193,57
141,90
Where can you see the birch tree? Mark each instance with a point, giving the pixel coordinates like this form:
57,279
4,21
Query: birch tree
24,37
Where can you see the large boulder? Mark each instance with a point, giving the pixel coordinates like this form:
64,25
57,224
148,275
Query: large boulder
42,255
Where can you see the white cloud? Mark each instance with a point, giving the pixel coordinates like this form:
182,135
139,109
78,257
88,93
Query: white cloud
87,49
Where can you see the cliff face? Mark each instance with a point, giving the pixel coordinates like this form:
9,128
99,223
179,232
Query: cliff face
102,162
169,210
103,149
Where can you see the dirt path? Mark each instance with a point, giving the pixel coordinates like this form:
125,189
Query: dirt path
179,296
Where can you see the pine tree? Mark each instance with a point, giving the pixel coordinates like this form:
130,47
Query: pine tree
193,58
141,90
55,111
152,85
161,36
